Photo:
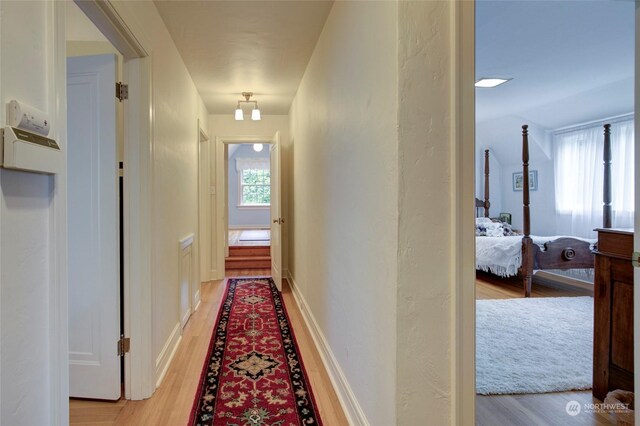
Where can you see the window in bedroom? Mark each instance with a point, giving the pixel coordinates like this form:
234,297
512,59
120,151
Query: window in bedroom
254,181
579,175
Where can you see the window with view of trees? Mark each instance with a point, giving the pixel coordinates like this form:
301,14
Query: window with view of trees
255,187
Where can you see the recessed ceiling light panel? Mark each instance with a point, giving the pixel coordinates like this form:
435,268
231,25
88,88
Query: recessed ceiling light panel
489,82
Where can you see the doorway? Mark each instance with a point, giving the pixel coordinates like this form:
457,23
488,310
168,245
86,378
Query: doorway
95,230
249,212
105,29
248,205
510,93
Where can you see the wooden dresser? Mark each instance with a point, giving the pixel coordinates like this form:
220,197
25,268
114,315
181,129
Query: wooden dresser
613,315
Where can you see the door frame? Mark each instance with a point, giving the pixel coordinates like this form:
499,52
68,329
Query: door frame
463,302
204,212
463,292
122,30
221,192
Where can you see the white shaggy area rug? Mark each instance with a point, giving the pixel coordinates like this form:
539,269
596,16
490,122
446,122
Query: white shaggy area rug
534,345
255,235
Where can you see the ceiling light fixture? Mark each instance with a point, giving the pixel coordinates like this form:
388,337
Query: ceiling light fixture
490,82
257,147
255,113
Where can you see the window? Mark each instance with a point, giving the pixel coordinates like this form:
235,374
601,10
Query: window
579,176
255,187
254,181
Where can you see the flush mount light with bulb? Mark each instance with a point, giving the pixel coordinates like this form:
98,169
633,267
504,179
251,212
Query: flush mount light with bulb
255,112
491,82
257,147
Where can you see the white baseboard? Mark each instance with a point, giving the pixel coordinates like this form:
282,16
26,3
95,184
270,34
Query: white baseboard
167,353
196,300
348,400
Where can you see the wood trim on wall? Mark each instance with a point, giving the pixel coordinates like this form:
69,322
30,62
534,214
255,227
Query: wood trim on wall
163,361
463,388
58,319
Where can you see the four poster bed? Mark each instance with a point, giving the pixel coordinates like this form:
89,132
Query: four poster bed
502,251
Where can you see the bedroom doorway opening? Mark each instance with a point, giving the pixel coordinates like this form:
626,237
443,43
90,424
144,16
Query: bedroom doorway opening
554,155
95,155
249,208
249,215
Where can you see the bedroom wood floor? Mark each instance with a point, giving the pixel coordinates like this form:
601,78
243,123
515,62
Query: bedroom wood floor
236,234
532,409
171,404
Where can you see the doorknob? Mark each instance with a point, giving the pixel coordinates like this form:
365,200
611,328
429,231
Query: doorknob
276,220
279,221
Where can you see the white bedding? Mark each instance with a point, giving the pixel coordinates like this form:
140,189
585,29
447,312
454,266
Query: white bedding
502,256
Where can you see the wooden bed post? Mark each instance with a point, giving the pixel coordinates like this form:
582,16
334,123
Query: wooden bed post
606,208
527,242
487,204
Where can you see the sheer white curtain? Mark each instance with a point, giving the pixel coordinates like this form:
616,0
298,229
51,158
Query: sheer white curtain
258,163
579,175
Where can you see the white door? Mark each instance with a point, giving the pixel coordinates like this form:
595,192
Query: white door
93,226
276,213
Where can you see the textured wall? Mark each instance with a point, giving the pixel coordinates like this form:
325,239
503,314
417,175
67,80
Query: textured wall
177,108
344,197
424,321
28,269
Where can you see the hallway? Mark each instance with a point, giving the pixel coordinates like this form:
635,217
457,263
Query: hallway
172,402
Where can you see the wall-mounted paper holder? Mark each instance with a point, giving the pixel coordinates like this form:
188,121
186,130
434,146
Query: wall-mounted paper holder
27,151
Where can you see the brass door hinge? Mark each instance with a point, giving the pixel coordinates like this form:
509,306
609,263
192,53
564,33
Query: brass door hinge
123,345
122,91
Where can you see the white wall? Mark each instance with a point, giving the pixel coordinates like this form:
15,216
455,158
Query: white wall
372,218
226,125
177,106
32,267
503,137
542,203
426,228
30,289
343,228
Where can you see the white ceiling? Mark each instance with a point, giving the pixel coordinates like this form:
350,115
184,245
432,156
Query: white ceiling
571,62
234,46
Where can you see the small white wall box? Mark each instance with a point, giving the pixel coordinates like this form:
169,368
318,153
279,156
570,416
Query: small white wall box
29,151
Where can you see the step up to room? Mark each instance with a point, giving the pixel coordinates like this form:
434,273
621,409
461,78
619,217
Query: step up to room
248,257
249,251
248,262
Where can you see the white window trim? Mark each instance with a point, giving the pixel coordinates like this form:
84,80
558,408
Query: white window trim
241,206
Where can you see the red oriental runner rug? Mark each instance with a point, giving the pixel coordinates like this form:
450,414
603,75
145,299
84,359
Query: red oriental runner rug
253,374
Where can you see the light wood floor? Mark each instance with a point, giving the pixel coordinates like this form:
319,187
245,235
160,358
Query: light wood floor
532,409
171,404
234,239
